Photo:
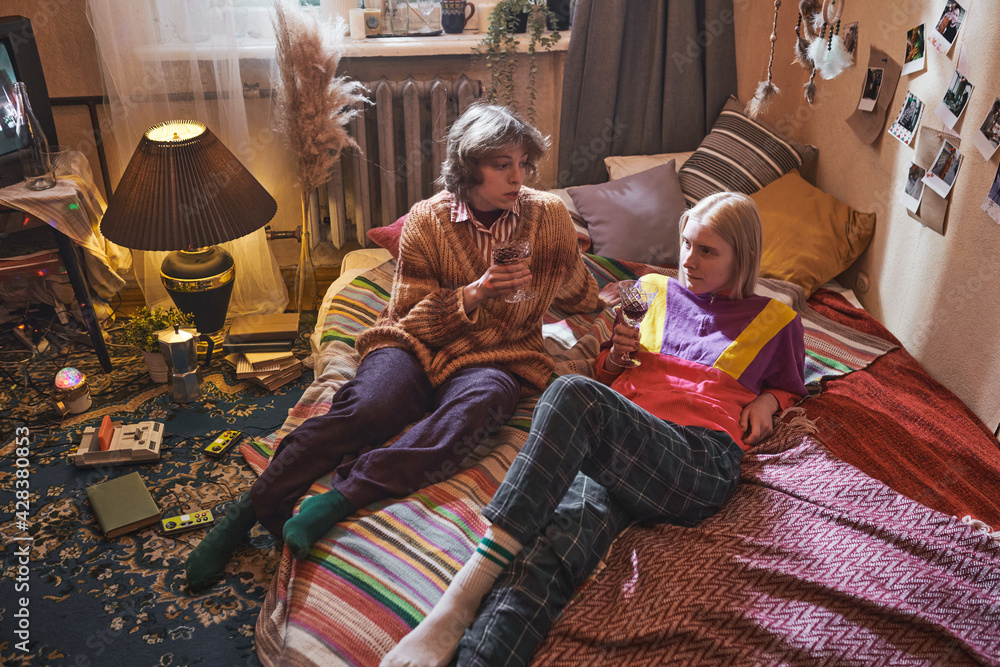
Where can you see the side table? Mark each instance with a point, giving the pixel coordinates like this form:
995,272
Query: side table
12,221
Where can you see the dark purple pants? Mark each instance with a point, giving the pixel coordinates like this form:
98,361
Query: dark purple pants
389,391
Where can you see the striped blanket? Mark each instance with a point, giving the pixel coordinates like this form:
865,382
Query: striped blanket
375,576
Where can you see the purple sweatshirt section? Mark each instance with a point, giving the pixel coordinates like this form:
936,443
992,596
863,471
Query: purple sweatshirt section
699,328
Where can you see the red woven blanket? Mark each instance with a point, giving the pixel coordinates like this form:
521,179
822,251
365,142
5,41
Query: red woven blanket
899,425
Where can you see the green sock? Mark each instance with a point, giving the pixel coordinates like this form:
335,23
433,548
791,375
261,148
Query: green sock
207,562
316,516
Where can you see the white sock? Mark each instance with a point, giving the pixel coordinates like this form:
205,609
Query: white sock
433,641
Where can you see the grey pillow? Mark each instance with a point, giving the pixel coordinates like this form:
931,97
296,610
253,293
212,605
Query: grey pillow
634,218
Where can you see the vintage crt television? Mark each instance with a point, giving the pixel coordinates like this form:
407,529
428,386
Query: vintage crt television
19,61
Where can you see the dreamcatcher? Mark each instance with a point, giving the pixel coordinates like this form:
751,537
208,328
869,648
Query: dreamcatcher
818,47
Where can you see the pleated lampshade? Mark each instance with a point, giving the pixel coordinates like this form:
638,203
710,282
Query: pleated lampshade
183,189
184,192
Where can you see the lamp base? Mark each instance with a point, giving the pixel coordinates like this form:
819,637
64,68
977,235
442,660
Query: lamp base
201,282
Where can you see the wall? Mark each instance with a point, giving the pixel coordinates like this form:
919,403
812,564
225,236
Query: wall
937,293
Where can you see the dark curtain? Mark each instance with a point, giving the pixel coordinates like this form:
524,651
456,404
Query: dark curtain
642,77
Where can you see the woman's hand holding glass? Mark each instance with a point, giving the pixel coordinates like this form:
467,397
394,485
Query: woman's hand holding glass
499,281
624,342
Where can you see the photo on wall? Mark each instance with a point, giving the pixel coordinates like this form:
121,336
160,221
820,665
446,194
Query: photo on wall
946,29
873,84
913,61
992,202
906,123
987,139
955,100
943,172
913,191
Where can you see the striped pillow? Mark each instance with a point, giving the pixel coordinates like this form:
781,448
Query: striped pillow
739,155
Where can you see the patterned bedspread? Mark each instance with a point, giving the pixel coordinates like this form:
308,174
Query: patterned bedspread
811,562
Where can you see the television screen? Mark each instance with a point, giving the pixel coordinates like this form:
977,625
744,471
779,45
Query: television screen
19,61
8,112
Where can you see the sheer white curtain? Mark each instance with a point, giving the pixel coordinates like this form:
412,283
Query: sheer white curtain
177,59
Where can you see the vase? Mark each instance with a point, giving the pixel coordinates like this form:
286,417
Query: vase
33,147
156,365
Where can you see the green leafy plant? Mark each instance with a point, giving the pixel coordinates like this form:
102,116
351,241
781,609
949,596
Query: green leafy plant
499,49
140,329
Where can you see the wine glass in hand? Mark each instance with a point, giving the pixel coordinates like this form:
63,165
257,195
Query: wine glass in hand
426,8
513,252
635,300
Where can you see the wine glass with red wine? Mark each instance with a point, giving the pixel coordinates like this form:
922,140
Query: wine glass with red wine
513,252
635,300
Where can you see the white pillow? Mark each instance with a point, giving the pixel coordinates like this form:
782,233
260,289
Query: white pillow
620,166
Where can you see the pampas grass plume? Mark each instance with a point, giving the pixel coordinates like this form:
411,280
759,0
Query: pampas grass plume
312,104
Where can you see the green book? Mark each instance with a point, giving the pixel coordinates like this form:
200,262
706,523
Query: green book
123,504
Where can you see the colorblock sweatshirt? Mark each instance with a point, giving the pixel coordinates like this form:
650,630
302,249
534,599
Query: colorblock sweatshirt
706,357
438,258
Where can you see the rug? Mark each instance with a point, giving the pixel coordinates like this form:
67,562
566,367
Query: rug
94,601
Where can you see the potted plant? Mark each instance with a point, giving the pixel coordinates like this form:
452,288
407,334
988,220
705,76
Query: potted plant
140,334
499,48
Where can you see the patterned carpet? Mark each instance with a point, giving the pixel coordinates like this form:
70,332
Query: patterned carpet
93,601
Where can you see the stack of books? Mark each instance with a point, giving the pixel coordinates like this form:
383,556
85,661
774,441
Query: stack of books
260,349
267,369
262,333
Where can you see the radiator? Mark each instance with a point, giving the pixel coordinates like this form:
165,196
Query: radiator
401,136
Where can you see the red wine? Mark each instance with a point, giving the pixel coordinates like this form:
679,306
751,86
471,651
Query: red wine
507,254
634,311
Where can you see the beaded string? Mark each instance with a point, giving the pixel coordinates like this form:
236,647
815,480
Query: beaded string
766,89
774,36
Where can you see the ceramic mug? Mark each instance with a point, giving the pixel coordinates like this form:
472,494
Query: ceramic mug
453,15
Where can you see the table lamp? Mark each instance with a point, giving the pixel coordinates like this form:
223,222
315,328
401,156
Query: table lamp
184,191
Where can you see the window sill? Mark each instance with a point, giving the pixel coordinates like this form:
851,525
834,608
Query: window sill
372,47
440,45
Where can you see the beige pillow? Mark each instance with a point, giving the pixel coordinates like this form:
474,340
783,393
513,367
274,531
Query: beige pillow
809,236
620,166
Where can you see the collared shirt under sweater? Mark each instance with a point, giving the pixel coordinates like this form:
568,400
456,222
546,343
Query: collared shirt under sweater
438,258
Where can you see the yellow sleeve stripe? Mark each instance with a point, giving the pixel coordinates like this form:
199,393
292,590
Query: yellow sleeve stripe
651,328
742,351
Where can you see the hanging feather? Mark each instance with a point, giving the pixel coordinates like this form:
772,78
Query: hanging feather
819,25
766,90
817,53
837,59
802,53
808,9
810,87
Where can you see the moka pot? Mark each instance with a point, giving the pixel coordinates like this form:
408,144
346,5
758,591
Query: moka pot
180,349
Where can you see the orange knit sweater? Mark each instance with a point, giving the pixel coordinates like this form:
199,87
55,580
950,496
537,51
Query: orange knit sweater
437,259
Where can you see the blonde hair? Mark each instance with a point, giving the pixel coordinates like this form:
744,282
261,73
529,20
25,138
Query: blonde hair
734,217
485,130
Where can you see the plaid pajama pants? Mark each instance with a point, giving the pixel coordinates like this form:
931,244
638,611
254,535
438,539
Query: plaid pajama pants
593,463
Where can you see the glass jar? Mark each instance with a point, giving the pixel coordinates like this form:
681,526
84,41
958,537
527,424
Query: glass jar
33,147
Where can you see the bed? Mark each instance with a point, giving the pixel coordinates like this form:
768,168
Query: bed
869,541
